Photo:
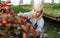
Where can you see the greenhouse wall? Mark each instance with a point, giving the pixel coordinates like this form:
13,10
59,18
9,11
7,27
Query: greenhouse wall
18,2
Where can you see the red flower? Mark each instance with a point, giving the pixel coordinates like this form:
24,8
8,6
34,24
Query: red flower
7,11
19,21
24,17
12,19
14,25
3,18
24,20
0,4
32,28
7,14
24,35
4,3
4,22
16,21
6,7
7,24
24,27
12,11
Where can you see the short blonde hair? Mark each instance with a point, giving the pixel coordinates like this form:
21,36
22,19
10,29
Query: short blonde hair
40,7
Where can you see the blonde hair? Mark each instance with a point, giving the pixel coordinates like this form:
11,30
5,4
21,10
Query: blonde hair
40,7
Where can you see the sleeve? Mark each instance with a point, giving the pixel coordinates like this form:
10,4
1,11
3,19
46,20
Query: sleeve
40,24
24,14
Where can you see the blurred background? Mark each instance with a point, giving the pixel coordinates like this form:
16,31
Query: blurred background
51,14
17,2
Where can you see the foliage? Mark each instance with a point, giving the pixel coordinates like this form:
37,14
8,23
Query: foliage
51,11
22,8
13,25
53,5
26,8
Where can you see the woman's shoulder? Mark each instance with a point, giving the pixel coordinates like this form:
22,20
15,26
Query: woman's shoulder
41,19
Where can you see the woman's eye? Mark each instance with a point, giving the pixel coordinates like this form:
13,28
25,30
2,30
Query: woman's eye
37,12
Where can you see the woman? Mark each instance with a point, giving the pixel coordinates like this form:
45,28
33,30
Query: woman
35,18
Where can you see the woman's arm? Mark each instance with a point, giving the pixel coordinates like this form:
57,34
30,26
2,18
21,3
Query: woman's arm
24,14
40,26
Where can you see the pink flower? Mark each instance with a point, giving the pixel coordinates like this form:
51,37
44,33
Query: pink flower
6,7
19,21
24,35
32,28
14,25
4,3
0,4
24,27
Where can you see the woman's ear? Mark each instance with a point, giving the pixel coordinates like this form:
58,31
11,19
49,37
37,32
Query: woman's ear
41,12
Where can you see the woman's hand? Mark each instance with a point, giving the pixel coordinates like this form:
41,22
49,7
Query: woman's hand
19,14
37,33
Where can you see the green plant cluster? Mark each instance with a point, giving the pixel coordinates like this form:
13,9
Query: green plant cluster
26,8
52,5
51,11
21,8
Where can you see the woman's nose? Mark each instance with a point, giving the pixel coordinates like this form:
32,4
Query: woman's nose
35,12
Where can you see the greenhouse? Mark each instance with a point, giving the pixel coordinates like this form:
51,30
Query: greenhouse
12,25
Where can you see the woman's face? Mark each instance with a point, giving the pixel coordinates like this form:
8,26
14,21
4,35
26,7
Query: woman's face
36,12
